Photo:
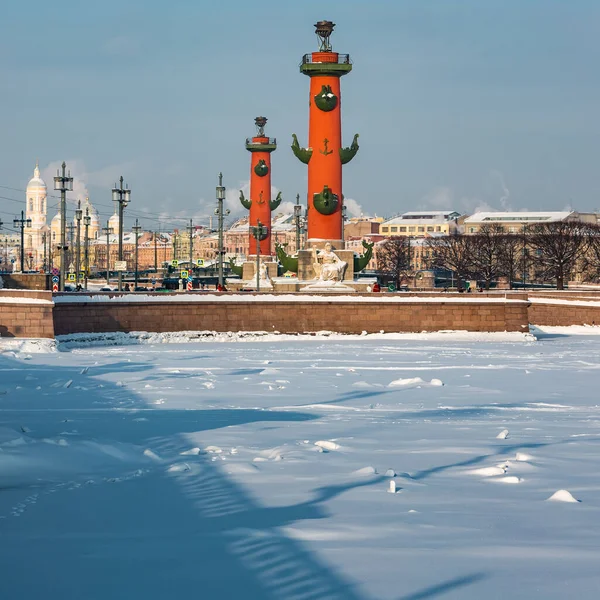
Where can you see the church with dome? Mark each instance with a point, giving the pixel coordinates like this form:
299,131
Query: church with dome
41,240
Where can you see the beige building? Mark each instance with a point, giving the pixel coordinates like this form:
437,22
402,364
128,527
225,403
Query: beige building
422,224
36,236
515,222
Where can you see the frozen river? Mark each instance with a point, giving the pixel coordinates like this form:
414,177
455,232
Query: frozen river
261,470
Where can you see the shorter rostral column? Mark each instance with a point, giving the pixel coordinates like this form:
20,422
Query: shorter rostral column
260,203
325,154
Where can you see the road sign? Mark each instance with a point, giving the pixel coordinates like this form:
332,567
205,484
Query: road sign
55,287
184,274
71,277
174,263
55,279
55,272
153,281
200,262
391,287
189,285
120,265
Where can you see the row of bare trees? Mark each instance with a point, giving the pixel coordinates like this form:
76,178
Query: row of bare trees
541,253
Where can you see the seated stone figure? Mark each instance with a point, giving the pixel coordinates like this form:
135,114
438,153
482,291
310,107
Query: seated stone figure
327,265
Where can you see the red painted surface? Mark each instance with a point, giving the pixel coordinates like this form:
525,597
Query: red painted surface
325,166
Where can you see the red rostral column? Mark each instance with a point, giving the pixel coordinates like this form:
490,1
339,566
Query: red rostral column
260,203
325,154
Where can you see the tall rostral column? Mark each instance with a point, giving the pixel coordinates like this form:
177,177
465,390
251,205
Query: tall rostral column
325,154
260,203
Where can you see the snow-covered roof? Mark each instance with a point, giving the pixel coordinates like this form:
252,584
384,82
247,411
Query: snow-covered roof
280,222
423,217
519,217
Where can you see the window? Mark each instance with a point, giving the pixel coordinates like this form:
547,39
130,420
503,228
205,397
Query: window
43,205
472,229
385,229
30,203
403,229
429,228
411,229
438,228
421,229
394,229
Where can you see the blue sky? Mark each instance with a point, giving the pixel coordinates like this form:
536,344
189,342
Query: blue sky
459,104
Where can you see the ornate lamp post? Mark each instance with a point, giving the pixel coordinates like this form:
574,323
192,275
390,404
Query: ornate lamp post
220,212
22,223
259,232
63,183
122,195
136,230
71,228
78,216
107,230
86,246
190,229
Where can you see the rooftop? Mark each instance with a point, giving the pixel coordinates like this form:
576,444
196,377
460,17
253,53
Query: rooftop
519,217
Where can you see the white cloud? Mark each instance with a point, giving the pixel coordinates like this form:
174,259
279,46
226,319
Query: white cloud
353,208
504,204
440,198
77,169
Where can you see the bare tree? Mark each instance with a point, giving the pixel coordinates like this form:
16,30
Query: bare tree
393,259
512,256
557,247
590,261
453,253
487,253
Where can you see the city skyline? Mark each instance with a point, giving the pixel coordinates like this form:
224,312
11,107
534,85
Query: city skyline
475,107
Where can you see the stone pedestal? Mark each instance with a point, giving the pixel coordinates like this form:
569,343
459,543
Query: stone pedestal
249,268
306,271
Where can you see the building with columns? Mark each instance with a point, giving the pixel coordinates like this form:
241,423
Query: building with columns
37,243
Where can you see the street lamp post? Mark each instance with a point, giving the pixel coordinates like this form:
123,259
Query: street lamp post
71,245
190,229
259,233
220,212
78,216
136,230
86,246
155,252
107,230
44,264
297,218
63,183
22,223
122,195
344,211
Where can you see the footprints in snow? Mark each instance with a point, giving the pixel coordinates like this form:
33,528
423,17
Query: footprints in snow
21,507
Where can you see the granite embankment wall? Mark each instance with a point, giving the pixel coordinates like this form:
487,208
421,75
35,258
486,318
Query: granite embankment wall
39,314
290,314
26,314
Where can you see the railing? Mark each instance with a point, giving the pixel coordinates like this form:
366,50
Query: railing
343,59
265,141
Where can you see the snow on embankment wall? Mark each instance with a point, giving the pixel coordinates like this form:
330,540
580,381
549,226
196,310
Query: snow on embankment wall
556,310
26,314
292,314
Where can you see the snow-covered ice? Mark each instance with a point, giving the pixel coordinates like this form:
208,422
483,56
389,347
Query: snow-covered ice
162,469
